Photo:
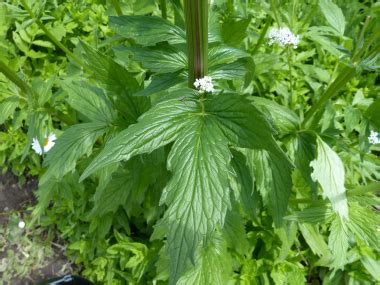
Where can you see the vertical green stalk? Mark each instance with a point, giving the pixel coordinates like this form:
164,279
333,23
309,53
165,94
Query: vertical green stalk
116,6
197,38
345,76
289,60
164,13
12,76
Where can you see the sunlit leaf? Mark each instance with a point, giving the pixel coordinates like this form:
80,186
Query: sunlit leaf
328,170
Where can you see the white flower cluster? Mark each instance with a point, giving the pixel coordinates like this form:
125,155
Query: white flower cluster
374,138
283,37
204,84
48,144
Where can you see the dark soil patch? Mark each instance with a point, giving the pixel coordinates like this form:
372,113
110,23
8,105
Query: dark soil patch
16,198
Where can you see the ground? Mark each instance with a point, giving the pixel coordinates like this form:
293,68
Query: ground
26,255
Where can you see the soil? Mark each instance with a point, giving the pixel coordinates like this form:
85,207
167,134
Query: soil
16,198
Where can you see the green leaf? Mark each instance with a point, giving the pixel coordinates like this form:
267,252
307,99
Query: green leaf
372,113
242,185
370,263
273,180
234,229
155,128
7,108
118,81
161,82
284,119
288,273
75,142
90,101
338,243
223,55
236,116
303,151
212,266
333,15
230,71
328,170
147,30
125,187
312,215
198,193
364,224
234,31
314,239
160,61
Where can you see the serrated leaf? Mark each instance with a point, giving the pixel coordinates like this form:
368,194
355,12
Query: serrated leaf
333,15
314,239
284,119
75,142
230,71
364,224
242,185
147,30
125,187
198,193
234,230
312,215
118,81
212,266
161,82
338,243
155,128
90,101
234,31
7,108
328,170
371,264
223,55
242,123
160,61
272,175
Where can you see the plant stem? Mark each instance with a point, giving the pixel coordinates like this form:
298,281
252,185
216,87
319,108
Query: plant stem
51,36
289,60
12,76
262,36
346,75
116,6
163,9
197,38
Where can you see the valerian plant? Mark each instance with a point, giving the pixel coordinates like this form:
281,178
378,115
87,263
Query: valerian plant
216,152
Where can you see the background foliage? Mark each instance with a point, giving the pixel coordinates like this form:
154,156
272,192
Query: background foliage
269,180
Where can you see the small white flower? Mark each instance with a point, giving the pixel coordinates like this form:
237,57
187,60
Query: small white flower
204,84
373,138
283,36
21,224
48,144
